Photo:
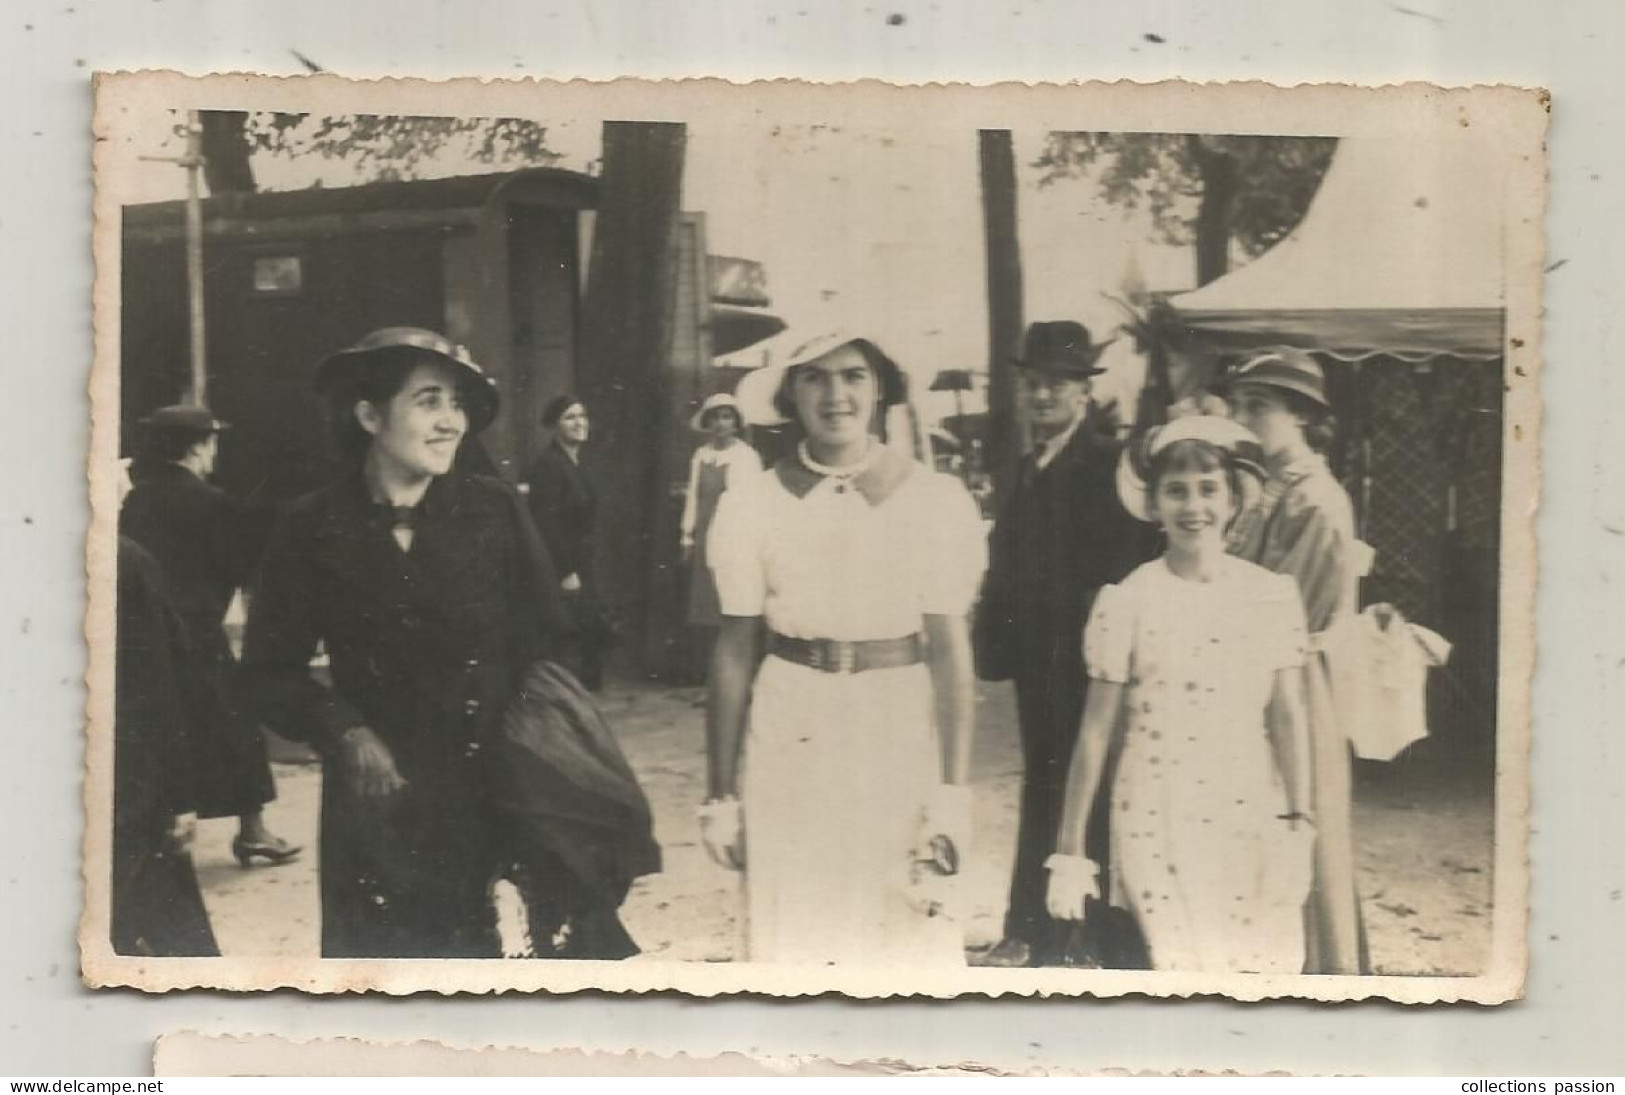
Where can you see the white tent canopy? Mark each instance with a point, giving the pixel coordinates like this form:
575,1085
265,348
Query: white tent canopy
1400,254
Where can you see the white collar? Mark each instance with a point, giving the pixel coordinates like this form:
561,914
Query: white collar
846,471
1048,449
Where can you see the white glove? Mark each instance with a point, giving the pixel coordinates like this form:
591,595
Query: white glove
945,827
1072,879
722,829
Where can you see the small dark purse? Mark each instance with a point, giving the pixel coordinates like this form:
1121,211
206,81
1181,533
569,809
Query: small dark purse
1108,938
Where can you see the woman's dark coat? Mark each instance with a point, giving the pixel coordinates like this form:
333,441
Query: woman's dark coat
581,827
564,504
426,648
156,909
206,546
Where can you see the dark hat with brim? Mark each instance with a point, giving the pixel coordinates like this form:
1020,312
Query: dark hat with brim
1062,347
184,417
479,391
1289,369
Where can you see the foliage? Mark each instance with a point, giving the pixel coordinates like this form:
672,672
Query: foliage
392,146
1167,174
380,147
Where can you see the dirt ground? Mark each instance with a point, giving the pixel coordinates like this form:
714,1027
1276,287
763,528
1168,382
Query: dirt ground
1424,823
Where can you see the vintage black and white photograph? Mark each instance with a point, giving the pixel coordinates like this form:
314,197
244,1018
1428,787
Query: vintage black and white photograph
793,538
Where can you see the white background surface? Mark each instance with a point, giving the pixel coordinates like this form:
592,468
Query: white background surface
1570,1023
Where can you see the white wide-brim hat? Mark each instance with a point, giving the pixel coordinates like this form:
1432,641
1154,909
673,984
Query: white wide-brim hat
756,391
1223,433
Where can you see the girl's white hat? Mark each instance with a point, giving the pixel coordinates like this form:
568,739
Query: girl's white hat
712,402
1223,433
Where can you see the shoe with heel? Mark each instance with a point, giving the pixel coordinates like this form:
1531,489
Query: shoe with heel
274,850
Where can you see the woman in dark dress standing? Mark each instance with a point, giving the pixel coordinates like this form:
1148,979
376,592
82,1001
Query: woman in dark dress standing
423,587
564,503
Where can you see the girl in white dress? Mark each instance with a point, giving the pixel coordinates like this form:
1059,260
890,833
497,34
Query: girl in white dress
725,459
838,774
1196,660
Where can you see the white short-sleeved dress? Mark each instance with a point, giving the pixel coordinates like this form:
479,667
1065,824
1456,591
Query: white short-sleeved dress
837,767
1215,878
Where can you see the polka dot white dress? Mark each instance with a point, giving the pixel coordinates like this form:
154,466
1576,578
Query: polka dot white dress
1216,880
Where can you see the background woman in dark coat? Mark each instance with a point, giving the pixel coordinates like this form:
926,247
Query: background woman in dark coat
423,589
206,545
564,502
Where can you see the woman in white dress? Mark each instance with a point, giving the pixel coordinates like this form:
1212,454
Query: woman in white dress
1196,659
838,771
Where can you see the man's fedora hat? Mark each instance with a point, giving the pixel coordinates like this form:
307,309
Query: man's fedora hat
1289,369
1062,346
184,417
479,391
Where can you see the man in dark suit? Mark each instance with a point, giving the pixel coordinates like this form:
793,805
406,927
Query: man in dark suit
1059,537
206,546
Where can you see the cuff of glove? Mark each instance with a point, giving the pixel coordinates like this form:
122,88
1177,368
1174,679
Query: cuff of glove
1072,866
718,808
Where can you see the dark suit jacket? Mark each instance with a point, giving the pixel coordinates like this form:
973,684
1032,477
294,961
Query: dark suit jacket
564,505
1059,537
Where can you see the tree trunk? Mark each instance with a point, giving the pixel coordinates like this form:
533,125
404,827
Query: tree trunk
226,166
1219,180
625,333
1003,304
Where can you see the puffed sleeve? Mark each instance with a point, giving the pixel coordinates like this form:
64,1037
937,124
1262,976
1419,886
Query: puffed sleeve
734,551
1285,641
953,548
1108,637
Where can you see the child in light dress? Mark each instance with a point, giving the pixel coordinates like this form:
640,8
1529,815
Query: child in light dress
1195,660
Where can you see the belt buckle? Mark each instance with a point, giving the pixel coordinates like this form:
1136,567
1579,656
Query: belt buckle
836,656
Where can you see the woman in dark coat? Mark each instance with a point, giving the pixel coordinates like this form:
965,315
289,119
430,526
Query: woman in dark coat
156,909
433,599
564,502
206,544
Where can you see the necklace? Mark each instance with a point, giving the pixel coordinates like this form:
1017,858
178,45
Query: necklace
845,472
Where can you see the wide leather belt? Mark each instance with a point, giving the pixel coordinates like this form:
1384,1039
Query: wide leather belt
836,656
